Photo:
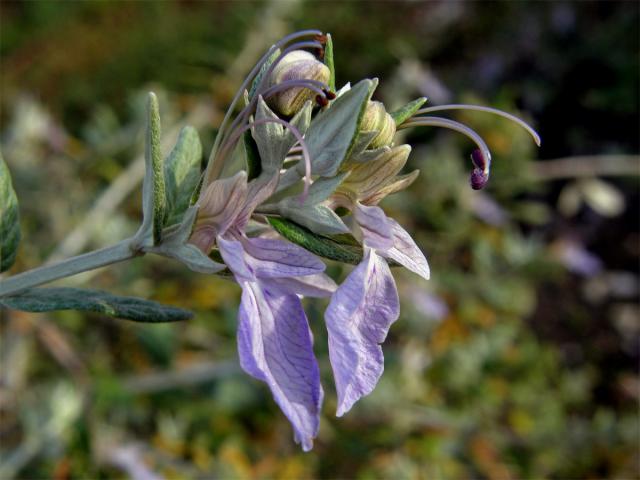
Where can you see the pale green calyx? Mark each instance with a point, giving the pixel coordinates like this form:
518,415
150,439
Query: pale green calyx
376,119
295,66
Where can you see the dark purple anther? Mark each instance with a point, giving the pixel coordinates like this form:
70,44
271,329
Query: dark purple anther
478,159
322,101
478,179
329,94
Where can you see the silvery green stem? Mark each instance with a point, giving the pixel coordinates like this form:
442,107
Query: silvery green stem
89,261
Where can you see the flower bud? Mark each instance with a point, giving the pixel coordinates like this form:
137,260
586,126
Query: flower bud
376,119
296,65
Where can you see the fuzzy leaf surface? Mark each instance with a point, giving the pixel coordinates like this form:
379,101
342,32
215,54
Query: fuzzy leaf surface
182,173
318,244
332,133
403,113
129,308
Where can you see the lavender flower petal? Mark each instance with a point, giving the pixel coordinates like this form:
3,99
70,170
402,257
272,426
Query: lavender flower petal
406,252
275,345
273,258
318,285
220,204
358,319
376,229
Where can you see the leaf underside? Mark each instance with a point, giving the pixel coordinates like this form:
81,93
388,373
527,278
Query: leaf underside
128,308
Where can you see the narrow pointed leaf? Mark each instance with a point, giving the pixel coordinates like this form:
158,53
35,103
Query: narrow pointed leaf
9,219
402,114
153,188
182,173
328,61
319,219
332,133
318,244
129,308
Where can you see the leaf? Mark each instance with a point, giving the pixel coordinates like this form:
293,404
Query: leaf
153,189
129,308
332,133
9,219
273,140
328,61
321,246
317,218
174,245
182,173
403,113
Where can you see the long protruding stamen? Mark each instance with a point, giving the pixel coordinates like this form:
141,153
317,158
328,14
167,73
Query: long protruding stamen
213,171
481,158
233,139
495,111
319,87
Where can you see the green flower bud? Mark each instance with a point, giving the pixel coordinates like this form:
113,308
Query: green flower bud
376,119
294,67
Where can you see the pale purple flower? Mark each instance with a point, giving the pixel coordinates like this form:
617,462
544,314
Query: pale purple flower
275,344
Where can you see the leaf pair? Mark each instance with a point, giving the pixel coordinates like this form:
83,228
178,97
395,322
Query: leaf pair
168,185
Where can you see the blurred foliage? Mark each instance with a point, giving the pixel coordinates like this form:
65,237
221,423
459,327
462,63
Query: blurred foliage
518,360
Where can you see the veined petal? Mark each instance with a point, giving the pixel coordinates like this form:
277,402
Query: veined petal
273,258
275,345
376,229
258,191
406,252
318,285
219,207
234,256
358,319
399,183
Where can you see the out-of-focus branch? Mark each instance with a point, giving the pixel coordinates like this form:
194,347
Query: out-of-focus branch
118,191
587,166
184,377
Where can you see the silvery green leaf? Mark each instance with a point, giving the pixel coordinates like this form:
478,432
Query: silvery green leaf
174,245
274,140
403,113
317,218
129,308
153,191
332,133
362,142
328,61
321,189
320,245
191,256
182,173
9,219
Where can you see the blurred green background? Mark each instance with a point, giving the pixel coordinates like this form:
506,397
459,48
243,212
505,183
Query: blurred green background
519,359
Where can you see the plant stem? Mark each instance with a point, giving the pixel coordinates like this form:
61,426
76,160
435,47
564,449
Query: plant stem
119,252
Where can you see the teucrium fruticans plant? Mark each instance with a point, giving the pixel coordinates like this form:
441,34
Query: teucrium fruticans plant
318,162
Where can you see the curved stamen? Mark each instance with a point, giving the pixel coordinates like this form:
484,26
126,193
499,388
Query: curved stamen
233,139
495,111
244,114
481,158
213,171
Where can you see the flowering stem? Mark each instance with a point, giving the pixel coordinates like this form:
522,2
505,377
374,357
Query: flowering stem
119,252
